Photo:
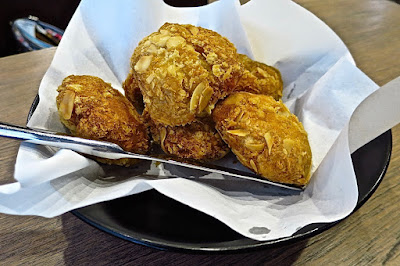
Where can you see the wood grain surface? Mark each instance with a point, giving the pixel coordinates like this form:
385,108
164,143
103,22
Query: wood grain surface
370,29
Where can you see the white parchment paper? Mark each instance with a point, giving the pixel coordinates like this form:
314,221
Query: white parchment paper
322,86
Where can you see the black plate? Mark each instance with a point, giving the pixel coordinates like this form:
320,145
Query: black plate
154,220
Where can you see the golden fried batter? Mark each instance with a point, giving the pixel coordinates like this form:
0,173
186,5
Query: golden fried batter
91,108
260,78
265,137
183,70
132,92
198,140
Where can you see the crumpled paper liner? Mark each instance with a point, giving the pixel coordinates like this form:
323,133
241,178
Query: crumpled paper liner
322,86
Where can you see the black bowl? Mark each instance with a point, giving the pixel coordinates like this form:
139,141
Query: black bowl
152,219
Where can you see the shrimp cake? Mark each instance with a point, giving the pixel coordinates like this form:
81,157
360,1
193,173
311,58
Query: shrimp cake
265,137
260,78
182,71
90,108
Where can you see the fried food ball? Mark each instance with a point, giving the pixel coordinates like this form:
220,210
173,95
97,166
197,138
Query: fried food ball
260,78
197,141
90,108
265,137
182,71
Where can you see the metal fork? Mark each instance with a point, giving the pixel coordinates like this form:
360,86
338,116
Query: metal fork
109,150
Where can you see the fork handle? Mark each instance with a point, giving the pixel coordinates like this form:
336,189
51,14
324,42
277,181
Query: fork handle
113,151
44,137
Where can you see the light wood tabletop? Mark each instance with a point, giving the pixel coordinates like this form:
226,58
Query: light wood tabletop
370,29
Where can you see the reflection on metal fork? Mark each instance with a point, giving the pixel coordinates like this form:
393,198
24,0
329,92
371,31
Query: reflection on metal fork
113,151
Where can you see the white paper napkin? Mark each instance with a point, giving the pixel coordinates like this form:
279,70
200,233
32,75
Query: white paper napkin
322,86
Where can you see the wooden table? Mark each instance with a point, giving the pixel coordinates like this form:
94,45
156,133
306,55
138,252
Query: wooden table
371,30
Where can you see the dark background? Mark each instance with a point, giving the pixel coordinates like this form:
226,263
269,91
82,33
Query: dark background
57,13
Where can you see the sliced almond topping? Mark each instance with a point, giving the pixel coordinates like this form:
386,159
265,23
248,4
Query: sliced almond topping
209,108
147,43
240,156
143,63
163,41
230,123
164,32
238,132
172,70
217,71
205,98
160,39
253,166
263,72
67,104
283,110
162,73
269,141
194,101
150,78
283,113
191,81
78,110
174,41
107,95
194,30
163,135
75,87
240,116
288,144
255,146
152,48
211,58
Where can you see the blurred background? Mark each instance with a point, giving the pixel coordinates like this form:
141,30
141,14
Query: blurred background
20,34
56,13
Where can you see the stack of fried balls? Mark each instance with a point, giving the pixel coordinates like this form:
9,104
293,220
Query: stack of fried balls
190,92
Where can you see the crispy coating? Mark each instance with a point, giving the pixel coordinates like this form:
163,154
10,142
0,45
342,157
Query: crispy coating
265,137
132,92
183,70
198,140
260,78
91,108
